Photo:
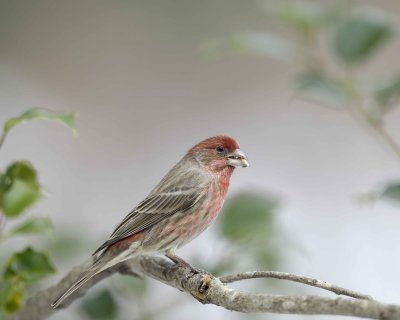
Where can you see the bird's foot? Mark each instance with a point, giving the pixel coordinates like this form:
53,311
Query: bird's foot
184,264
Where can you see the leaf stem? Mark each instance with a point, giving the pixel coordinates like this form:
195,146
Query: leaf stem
2,138
359,113
386,137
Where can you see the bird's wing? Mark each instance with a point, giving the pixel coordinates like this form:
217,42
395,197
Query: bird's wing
153,209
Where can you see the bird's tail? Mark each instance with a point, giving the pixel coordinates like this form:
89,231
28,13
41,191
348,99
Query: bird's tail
98,266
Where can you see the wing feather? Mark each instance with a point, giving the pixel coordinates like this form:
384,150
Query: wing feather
153,209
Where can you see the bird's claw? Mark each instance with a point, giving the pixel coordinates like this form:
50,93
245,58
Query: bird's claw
182,263
204,285
186,278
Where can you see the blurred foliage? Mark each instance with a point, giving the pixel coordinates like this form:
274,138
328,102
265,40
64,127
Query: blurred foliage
100,306
323,87
28,265
34,225
248,222
108,303
388,94
248,216
392,192
19,191
128,286
11,294
353,34
330,45
358,37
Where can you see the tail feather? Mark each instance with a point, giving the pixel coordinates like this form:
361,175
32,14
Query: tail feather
83,278
101,262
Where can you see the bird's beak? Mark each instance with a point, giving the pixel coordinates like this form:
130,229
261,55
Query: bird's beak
237,159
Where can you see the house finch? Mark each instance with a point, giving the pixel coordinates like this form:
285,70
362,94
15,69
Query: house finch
181,206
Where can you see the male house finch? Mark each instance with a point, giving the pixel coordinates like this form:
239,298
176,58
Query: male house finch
181,206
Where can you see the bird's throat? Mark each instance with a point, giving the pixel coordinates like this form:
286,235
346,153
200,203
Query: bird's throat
224,178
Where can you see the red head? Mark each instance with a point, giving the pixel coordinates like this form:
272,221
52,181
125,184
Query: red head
219,152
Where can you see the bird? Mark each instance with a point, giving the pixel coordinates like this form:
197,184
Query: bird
183,204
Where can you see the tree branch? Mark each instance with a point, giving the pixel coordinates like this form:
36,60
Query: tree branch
209,290
291,277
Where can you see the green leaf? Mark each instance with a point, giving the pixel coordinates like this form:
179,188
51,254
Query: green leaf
35,225
389,94
248,217
392,192
358,37
11,295
19,197
101,306
323,87
65,118
28,265
19,188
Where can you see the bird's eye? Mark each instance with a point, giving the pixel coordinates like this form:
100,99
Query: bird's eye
221,149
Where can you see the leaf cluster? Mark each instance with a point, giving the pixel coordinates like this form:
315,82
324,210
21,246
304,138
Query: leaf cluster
330,47
20,190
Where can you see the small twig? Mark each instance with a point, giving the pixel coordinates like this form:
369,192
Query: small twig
313,101
389,140
2,138
291,277
359,113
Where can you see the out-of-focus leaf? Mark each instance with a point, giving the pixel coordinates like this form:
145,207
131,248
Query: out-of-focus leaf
300,18
307,17
19,188
101,306
253,43
267,257
248,216
388,94
28,265
322,86
358,37
11,295
137,286
65,245
374,118
392,192
35,225
65,118
131,286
